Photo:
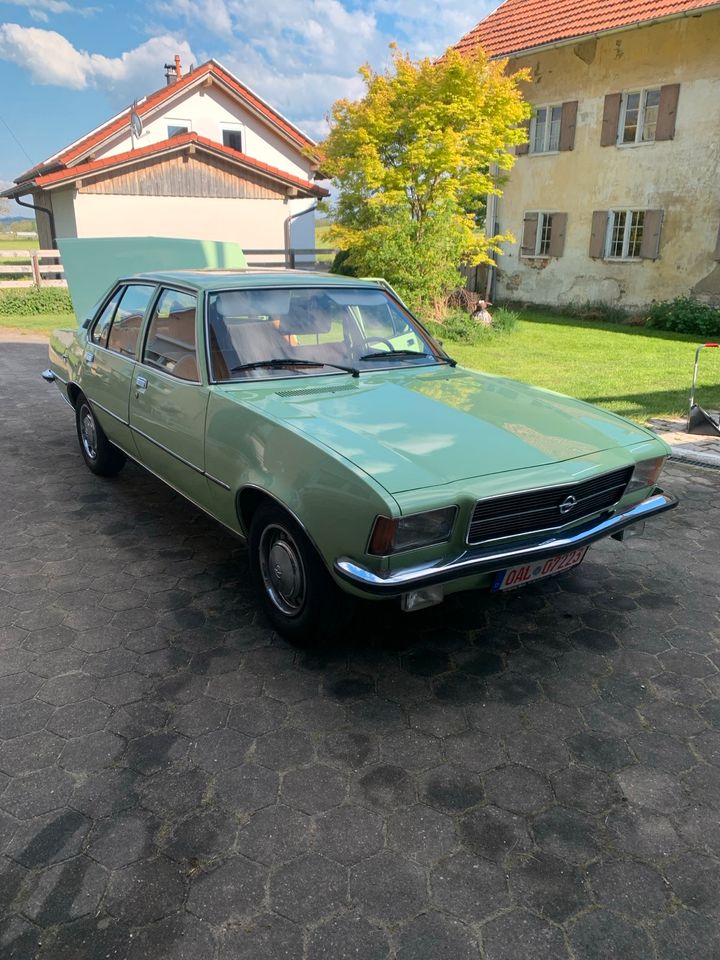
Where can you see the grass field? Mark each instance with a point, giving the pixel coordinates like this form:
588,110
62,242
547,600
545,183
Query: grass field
21,243
633,371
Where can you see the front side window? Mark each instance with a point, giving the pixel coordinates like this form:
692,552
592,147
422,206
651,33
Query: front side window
102,324
170,344
625,233
286,332
128,318
638,116
545,129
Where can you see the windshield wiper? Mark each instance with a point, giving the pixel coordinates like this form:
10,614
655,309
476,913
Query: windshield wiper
280,362
391,354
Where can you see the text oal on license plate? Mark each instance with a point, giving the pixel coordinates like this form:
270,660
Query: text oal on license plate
515,577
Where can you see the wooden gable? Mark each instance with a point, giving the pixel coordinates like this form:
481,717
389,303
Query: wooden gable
197,174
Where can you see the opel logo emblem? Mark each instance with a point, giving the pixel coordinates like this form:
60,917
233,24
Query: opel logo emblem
567,504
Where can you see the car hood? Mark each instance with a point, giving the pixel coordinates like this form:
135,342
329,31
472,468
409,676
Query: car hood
411,429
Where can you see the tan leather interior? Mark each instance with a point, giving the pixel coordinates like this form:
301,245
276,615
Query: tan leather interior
186,368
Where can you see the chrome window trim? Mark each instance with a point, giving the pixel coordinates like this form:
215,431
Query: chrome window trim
145,330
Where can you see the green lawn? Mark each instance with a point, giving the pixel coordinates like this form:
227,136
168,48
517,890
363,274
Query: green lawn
18,243
637,372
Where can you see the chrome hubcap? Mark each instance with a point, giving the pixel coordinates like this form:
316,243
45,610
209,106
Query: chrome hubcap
88,434
282,570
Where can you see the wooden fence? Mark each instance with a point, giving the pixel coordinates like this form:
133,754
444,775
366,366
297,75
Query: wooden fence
31,270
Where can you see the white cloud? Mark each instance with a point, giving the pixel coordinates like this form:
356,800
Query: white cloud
211,14
53,60
42,9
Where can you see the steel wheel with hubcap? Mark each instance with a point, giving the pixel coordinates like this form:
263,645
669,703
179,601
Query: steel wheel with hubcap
299,596
99,454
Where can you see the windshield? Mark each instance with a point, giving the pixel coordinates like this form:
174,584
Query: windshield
290,332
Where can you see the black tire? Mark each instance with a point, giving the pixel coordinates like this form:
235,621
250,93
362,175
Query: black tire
100,456
298,595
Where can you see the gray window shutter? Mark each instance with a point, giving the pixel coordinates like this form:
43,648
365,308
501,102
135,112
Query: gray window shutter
667,111
529,235
611,118
650,244
598,233
568,119
522,148
557,234
716,255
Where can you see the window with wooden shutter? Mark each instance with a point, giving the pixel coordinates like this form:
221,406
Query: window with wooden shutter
652,225
568,121
598,233
611,119
667,111
557,235
529,235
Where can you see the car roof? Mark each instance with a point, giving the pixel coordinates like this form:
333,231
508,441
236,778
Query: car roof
251,277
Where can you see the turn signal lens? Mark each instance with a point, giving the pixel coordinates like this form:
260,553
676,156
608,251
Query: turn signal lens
645,474
406,533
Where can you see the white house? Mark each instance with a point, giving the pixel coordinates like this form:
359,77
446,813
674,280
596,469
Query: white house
203,157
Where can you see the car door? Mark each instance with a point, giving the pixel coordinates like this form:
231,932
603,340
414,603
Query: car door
109,360
168,400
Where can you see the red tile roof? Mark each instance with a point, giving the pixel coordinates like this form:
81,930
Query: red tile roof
519,25
180,142
211,69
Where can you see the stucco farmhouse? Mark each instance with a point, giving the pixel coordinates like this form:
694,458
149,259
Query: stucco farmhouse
616,195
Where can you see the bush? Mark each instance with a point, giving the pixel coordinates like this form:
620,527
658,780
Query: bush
460,327
30,301
685,315
505,320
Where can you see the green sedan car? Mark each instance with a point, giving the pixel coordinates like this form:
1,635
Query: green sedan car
315,417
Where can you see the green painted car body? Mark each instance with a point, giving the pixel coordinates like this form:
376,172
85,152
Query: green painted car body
338,451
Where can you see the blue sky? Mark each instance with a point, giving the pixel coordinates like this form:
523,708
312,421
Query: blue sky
65,65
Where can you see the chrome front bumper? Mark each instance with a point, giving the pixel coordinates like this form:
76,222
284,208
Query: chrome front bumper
481,560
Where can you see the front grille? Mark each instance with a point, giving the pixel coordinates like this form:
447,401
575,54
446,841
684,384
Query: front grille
536,510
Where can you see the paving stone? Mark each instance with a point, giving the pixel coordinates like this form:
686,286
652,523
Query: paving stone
549,886
34,794
388,888
384,787
79,719
257,716
630,888
117,841
411,749
661,752
200,717
88,939
475,750
699,827
174,792
247,788
313,789
672,718
153,752
349,834
276,834
703,784
94,752
568,834
605,753
468,887
284,748
519,935
686,934
516,788
421,833
67,688
603,934
696,881
542,752
105,793
451,788
220,750
34,751
308,888
175,938
267,937
642,833
19,940
145,891
493,833
585,788
65,891
433,936
652,789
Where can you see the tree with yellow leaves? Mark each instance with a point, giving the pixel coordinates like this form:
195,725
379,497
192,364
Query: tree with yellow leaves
413,162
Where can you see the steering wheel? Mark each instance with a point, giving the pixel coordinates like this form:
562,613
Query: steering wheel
371,341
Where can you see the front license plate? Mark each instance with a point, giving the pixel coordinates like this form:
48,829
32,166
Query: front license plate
515,577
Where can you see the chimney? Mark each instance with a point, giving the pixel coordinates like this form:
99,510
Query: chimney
173,72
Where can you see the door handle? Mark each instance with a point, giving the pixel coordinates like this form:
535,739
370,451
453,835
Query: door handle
141,383
89,358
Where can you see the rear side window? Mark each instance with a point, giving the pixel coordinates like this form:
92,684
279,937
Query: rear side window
102,324
129,315
171,341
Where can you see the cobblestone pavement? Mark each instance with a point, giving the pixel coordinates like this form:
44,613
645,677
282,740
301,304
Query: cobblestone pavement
535,776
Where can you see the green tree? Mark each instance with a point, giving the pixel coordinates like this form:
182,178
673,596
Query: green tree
413,161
